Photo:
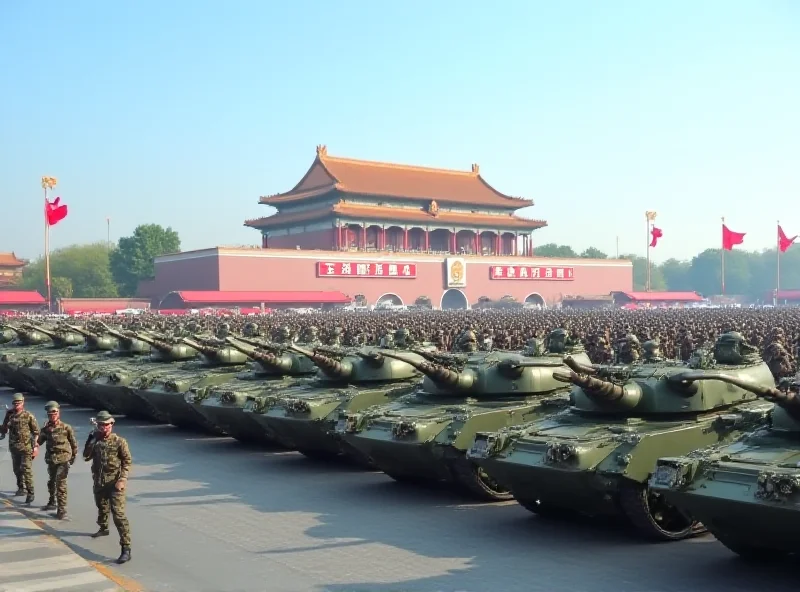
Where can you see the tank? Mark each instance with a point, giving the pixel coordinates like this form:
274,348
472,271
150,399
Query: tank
61,353
19,353
165,389
596,457
231,406
424,437
55,369
747,492
114,385
304,417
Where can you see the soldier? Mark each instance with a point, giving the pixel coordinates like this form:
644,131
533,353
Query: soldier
23,432
111,463
60,454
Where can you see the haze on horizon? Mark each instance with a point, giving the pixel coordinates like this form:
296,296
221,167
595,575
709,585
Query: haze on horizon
183,113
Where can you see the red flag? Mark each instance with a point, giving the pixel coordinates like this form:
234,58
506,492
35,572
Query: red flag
783,241
731,238
657,234
54,212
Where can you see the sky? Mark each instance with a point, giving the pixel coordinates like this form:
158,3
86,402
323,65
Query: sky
184,112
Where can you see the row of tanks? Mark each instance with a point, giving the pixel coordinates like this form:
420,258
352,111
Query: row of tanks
675,448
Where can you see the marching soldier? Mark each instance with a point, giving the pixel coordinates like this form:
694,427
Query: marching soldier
23,432
111,463
60,453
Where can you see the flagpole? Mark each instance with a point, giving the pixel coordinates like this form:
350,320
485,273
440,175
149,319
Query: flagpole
722,250
47,183
649,217
778,269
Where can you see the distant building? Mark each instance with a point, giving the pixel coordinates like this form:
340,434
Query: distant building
21,301
587,302
10,270
655,299
100,305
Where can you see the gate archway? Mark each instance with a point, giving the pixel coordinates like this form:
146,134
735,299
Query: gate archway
453,299
535,298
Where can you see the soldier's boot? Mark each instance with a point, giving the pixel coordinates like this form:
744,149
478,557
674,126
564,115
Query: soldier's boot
20,491
61,514
125,556
29,498
101,533
51,505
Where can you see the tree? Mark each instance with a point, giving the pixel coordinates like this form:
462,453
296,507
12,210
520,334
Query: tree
80,271
676,275
657,283
132,261
593,253
554,250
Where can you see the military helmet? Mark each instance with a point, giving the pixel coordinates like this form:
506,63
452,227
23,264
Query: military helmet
18,397
51,406
104,417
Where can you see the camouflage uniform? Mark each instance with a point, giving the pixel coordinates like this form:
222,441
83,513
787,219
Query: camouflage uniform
60,452
111,462
23,431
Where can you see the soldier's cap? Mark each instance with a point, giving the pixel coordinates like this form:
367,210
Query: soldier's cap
18,397
52,406
104,417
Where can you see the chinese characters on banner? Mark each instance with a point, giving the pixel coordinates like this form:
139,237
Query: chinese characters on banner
527,272
366,269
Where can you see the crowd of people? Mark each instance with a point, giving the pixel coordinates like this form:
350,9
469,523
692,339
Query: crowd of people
674,332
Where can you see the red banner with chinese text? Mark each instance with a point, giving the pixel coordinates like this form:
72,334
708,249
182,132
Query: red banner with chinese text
366,269
531,272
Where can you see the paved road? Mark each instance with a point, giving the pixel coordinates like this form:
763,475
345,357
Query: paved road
33,561
209,514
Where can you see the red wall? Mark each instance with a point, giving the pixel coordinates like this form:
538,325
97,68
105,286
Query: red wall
245,270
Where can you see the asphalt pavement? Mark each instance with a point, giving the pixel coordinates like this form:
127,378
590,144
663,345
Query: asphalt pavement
210,514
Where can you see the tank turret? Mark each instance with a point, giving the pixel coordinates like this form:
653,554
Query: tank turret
29,336
164,351
95,341
127,342
273,359
661,388
221,355
59,338
7,334
362,365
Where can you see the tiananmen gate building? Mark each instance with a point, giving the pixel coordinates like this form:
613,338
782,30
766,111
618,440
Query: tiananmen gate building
388,232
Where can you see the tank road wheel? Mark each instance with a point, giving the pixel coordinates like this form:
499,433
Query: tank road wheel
752,553
478,483
653,517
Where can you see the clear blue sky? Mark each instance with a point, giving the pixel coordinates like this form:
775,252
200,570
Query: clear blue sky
183,112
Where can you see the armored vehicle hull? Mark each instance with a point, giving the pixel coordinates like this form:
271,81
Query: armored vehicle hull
231,407
49,372
167,391
751,506
596,458
304,417
425,436
14,359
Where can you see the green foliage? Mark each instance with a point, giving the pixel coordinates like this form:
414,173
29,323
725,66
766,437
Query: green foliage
657,283
554,250
132,261
80,271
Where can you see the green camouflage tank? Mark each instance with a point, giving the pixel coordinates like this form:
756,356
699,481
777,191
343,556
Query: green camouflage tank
596,457
747,493
275,369
303,417
424,436
165,389
18,354
113,384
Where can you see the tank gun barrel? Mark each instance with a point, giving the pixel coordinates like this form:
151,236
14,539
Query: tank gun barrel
578,368
158,344
787,398
206,350
268,359
594,387
14,328
43,330
328,365
437,373
268,345
90,337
